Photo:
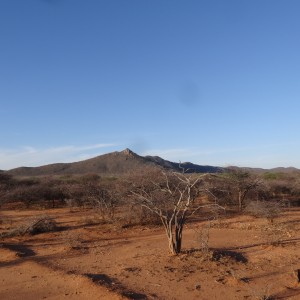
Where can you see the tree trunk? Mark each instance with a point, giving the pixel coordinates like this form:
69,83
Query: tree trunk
240,200
175,240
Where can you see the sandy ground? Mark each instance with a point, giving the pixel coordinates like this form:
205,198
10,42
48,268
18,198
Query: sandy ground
247,258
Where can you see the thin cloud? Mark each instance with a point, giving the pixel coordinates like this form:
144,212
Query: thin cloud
31,157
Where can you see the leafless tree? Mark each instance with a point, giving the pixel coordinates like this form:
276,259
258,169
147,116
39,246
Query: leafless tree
103,198
241,183
173,197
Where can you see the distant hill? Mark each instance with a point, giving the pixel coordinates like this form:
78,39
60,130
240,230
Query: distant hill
287,170
188,167
115,163
284,170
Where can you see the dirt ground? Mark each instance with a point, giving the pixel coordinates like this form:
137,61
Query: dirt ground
246,258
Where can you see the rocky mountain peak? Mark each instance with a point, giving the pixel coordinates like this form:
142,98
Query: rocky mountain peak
128,152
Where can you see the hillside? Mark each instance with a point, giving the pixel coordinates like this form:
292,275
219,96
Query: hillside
114,163
188,167
118,163
287,170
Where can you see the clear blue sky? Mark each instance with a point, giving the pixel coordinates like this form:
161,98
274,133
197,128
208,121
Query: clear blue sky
212,82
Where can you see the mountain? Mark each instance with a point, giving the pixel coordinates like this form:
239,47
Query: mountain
287,170
188,167
115,163
118,163
284,170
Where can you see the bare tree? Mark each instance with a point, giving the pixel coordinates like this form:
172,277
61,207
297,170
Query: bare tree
173,197
240,185
103,198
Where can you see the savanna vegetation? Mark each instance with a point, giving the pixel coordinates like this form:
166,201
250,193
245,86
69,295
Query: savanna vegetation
155,196
218,227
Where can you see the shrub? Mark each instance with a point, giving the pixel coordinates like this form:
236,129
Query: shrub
264,209
38,225
41,225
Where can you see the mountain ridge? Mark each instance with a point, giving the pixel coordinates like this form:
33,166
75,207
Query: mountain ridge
121,162
113,163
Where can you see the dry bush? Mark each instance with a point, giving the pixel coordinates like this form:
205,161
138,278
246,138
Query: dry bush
264,209
234,187
41,225
38,225
136,215
284,187
101,195
41,193
6,184
202,238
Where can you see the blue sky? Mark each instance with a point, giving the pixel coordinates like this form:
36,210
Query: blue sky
213,82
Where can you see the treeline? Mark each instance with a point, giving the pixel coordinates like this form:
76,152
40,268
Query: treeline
234,189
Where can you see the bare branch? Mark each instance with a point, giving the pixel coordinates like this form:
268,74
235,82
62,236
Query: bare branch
171,198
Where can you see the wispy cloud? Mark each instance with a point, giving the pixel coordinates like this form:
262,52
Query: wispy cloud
31,156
